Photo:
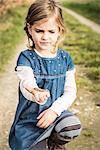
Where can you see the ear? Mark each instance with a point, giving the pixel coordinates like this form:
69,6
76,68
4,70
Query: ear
29,29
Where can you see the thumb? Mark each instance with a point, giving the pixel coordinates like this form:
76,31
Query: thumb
28,88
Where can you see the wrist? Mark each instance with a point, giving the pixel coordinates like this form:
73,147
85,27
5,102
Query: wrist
54,112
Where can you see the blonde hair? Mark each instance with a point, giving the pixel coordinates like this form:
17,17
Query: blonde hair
42,9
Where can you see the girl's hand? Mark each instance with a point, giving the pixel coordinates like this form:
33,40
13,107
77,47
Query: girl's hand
40,95
46,118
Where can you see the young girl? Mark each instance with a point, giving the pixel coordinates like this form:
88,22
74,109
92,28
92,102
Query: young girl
47,84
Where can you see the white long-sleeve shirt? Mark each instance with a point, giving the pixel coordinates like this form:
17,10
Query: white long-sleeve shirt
26,78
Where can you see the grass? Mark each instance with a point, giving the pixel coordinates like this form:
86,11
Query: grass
88,133
91,10
11,32
79,1
82,42
84,46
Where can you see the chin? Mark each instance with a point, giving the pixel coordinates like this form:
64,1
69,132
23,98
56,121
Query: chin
44,47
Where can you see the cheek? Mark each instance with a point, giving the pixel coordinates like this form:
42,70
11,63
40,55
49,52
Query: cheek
36,38
54,37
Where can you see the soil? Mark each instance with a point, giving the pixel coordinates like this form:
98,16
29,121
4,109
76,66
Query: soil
86,107
8,97
94,26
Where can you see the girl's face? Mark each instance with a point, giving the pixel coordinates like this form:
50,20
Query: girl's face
45,34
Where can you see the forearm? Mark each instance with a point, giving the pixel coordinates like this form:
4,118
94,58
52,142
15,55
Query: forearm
28,86
26,78
26,93
64,102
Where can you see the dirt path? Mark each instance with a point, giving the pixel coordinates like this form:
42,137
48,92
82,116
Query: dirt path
95,27
87,106
8,98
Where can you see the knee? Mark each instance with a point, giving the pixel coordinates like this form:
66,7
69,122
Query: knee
70,127
74,129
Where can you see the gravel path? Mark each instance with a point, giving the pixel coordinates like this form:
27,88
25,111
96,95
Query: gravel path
8,98
95,27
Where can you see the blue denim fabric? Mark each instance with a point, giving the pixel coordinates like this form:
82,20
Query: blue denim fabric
50,73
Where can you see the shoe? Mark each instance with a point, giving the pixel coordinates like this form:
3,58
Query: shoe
54,142
55,146
58,147
40,146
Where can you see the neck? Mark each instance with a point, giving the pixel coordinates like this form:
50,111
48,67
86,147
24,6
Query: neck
51,52
46,53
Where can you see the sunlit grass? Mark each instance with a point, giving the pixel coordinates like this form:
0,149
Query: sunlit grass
84,46
90,10
11,32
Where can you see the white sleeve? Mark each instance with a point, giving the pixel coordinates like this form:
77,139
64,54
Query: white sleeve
69,95
26,77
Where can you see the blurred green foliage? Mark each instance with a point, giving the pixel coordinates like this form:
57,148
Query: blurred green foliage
90,10
84,46
11,32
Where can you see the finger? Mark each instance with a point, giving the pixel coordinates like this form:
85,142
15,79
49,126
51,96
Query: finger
28,88
45,97
40,122
42,98
43,125
41,90
47,125
41,114
48,93
37,96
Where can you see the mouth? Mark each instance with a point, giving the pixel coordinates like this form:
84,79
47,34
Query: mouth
45,43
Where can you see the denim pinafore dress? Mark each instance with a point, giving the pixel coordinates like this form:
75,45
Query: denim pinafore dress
50,73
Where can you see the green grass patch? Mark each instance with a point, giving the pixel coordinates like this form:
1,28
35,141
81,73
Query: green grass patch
91,10
84,46
94,73
11,32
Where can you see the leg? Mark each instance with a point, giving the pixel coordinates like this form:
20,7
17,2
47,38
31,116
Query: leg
66,129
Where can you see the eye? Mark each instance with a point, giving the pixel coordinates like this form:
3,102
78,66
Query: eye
39,31
51,31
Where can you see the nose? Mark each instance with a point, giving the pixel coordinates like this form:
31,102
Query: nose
45,36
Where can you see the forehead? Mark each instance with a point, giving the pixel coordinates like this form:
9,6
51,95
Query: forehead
47,23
